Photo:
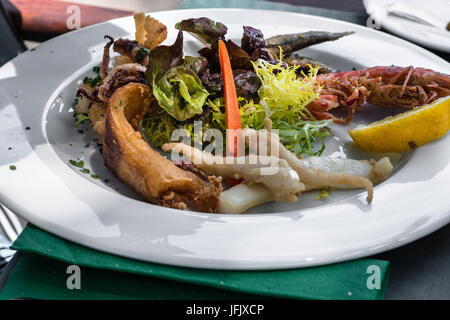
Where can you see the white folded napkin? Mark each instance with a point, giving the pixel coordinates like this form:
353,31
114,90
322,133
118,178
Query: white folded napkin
430,12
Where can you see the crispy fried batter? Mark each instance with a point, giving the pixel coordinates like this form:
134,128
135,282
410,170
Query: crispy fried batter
97,114
139,21
119,60
149,31
158,179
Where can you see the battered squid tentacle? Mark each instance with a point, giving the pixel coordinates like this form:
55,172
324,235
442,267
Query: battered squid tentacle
132,72
272,172
104,66
321,172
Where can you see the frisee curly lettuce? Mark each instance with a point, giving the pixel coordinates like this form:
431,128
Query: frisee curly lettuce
282,92
80,118
283,99
158,129
299,136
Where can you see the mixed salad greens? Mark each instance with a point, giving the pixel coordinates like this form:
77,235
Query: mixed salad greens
190,88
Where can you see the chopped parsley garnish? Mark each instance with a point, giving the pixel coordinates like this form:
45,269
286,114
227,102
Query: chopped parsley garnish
12,167
96,69
27,128
87,80
120,104
79,164
87,145
141,54
92,81
80,118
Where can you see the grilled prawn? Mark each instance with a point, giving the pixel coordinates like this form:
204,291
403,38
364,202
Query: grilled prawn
391,86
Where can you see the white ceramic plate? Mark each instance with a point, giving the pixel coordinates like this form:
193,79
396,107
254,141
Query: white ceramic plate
424,35
38,90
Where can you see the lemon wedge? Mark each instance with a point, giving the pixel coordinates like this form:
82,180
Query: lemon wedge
405,131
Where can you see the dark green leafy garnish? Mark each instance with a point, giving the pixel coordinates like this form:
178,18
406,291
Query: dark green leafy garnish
85,170
141,54
93,82
12,167
79,164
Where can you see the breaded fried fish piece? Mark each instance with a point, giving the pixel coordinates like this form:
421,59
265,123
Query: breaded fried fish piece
132,159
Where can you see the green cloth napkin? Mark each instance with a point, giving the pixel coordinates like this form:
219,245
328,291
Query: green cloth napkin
106,276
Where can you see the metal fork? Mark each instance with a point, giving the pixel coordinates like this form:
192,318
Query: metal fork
10,223
11,227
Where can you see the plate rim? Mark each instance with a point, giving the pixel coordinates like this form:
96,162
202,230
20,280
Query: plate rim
433,227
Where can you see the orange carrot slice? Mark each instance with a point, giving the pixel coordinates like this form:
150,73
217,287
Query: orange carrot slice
232,116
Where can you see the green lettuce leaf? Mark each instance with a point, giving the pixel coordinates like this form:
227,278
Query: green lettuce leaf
196,64
162,58
179,91
204,29
175,84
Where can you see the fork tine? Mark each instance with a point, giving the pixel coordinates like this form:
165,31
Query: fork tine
13,219
7,227
5,252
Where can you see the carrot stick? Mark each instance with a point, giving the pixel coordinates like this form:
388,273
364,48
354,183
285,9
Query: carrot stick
232,116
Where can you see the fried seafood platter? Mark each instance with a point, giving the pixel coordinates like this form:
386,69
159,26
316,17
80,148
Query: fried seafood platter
244,123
